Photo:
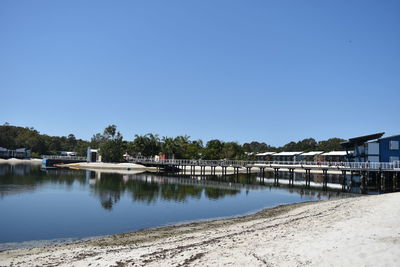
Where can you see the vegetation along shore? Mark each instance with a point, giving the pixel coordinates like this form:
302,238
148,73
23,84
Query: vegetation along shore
113,145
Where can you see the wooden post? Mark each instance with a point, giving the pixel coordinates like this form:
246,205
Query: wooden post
378,181
351,178
276,177
325,182
308,177
363,183
344,182
291,176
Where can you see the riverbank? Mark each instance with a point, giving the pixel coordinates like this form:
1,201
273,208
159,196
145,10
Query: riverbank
107,166
362,231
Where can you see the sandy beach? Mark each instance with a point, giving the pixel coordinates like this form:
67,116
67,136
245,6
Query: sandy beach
107,166
21,161
360,231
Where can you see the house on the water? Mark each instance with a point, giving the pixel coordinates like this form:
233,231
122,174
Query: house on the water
265,156
310,156
19,153
334,156
374,148
287,156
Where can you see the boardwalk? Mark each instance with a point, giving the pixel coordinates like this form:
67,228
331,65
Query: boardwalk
384,175
371,166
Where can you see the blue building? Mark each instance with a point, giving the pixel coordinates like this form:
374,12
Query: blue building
389,148
374,148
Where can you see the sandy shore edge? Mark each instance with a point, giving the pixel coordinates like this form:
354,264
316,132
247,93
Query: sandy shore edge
345,232
21,161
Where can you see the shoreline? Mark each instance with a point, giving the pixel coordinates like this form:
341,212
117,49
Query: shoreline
107,166
15,161
351,231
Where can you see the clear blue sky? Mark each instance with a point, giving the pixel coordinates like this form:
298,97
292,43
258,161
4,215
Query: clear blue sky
271,71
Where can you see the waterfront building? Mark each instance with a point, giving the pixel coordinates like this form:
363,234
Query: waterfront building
93,155
389,148
374,148
19,153
265,156
333,156
287,156
310,156
4,153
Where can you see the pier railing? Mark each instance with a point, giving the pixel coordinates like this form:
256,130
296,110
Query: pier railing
271,164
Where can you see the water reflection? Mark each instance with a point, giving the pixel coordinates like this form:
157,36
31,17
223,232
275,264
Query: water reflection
150,188
108,187
61,203
146,188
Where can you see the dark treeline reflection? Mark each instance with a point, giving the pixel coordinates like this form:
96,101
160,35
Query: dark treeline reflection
20,178
149,188
108,187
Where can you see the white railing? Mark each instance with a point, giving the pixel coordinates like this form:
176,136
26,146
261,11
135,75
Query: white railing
257,163
62,157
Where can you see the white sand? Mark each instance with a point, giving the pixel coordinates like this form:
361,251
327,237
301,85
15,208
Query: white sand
362,231
107,166
21,161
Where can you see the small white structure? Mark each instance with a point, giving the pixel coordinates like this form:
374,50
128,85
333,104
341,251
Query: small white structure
93,155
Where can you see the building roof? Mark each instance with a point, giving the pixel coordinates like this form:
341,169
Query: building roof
312,153
287,153
392,136
335,153
265,153
361,139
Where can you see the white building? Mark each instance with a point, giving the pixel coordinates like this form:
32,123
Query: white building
93,155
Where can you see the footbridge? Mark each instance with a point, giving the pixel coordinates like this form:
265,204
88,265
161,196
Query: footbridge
384,174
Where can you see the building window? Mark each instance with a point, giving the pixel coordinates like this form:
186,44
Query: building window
391,159
394,145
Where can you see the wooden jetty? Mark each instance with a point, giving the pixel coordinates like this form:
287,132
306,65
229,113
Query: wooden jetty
383,175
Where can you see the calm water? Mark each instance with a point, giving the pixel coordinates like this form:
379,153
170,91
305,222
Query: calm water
61,204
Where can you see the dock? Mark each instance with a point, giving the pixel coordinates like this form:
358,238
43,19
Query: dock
384,175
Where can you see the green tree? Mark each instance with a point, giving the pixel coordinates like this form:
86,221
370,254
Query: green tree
195,150
332,144
145,145
232,150
213,149
112,147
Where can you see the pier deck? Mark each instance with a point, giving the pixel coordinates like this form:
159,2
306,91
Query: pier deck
385,175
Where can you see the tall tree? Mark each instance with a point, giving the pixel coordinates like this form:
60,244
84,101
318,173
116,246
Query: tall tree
112,149
213,149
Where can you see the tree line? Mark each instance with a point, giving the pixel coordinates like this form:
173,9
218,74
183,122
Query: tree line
113,146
